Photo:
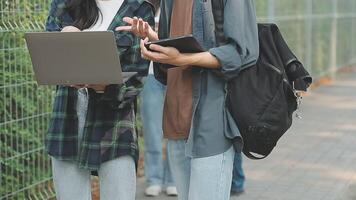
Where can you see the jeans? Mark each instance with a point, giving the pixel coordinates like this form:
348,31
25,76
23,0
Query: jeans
117,177
238,176
201,178
117,180
157,170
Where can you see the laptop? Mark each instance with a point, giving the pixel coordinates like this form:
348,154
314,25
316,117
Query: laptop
69,58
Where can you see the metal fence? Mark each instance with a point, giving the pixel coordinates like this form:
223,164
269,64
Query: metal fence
321,32
24,107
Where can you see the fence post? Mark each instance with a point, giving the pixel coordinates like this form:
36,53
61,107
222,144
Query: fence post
333,40
271,10
353,37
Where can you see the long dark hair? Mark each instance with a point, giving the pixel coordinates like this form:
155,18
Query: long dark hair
85,13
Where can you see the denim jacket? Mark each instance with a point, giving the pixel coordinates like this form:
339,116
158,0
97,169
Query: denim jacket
212,127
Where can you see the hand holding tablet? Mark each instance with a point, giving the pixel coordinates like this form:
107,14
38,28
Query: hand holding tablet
184,44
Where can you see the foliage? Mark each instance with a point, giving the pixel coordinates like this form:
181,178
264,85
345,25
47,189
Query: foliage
24,107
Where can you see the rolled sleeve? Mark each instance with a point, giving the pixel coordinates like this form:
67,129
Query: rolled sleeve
227,57
240,29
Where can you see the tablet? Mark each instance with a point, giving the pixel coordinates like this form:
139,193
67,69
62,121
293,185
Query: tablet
69,58
184,44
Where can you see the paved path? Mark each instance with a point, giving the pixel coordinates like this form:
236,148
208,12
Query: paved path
316,159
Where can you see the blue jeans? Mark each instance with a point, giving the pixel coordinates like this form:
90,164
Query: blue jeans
117,177
201,178
157,170
238,176
117,180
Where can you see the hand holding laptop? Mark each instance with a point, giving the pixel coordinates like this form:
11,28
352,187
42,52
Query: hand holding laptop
97,88
70,29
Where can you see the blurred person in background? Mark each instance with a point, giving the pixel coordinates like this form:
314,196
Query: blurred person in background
92,128
157,171
238,176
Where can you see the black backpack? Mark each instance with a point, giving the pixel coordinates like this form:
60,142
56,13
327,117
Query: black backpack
262,98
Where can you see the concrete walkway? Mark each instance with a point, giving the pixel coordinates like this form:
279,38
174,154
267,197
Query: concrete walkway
316,159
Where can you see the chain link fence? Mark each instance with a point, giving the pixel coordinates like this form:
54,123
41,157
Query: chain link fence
321,33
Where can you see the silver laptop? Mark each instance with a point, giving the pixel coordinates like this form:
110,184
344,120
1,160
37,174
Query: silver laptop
75,58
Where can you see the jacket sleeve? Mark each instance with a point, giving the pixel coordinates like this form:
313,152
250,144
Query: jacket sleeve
240,29
53,23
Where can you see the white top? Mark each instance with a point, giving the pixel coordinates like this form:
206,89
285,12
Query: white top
150,69
109,9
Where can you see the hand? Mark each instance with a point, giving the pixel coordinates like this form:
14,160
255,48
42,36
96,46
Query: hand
70,29
138,27
97,87
160,54
77,86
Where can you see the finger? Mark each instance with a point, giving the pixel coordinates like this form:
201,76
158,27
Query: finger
155,56
159,48
144,57
141,27
149,55
134,25
147,28
123,28
128,20
70,29
143,48
142,45
144,41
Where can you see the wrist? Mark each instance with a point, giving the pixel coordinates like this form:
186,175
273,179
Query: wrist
203,59
188,59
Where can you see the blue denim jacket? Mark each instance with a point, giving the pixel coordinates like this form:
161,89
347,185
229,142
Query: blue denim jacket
212,127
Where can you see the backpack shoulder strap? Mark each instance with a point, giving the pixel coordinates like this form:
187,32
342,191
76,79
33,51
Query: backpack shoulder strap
218,13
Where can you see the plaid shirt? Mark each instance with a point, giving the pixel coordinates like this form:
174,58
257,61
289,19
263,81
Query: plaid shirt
109,130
